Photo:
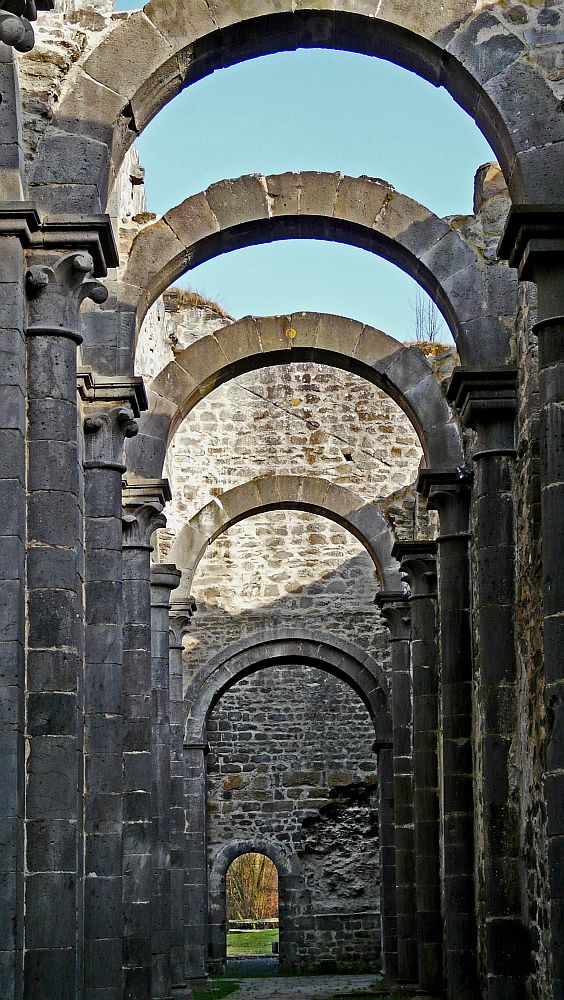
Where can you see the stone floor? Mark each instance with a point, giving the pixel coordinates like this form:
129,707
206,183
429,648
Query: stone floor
306,988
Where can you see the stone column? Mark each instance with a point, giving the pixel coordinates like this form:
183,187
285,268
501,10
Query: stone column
418,561
56,285
12,610
486,401
143,503
534,243
388,906
179,622
165,577
449,493
110,409
196,883
395,610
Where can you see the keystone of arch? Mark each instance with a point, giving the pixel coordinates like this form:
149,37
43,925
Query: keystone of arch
146,59
477,297
345,660
309,493
256,342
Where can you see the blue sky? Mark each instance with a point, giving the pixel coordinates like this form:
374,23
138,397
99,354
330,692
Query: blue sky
313,110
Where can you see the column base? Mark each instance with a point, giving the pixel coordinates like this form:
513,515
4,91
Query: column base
200,983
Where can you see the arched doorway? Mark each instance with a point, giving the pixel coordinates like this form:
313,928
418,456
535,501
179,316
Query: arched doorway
303,783
252,908
287,868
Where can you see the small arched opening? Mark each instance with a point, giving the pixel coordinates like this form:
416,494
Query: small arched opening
283,869
252,909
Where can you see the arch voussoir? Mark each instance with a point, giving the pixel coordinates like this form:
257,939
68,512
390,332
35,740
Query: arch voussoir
402,372
241,212
313,494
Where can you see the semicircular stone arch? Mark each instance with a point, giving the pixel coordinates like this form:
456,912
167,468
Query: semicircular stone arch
286,863
312,494
401,371
257,651
288,868
481,57
476,296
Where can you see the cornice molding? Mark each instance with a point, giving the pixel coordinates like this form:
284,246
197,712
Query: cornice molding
481,394
532,233
124,389
92,234
137,492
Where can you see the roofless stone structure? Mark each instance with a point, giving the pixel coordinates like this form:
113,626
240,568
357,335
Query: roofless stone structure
360,523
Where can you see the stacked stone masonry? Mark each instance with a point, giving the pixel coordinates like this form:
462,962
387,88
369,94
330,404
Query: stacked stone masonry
296,468
291,762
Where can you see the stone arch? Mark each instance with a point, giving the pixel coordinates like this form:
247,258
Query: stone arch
255,342
309,493
476,297
288,867
146,59
259,650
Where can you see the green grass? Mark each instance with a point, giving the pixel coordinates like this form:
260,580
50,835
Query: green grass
217,990
373,996
251,943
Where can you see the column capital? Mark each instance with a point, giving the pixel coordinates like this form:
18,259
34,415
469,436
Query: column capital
394,605
105,431
533,237
140,523
165,577
179,621
448,492
486,400
483,394
110,408
143,502
56,286
15,18
418,561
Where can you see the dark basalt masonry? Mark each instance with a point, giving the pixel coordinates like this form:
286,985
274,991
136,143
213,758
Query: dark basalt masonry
371,691
291,766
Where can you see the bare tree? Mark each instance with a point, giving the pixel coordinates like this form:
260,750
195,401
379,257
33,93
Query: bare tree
429,324
252,888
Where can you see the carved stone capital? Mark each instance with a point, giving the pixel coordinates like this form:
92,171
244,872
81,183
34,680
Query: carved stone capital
394,606
165,577
486,400
418,564
139,524
15,18
143,504
105,431
56,287
15,26
448,492
16,30
179,622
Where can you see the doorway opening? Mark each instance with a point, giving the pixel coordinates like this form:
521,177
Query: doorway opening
252,907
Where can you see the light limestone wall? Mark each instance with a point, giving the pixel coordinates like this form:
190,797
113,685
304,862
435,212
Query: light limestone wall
302,559
299,419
